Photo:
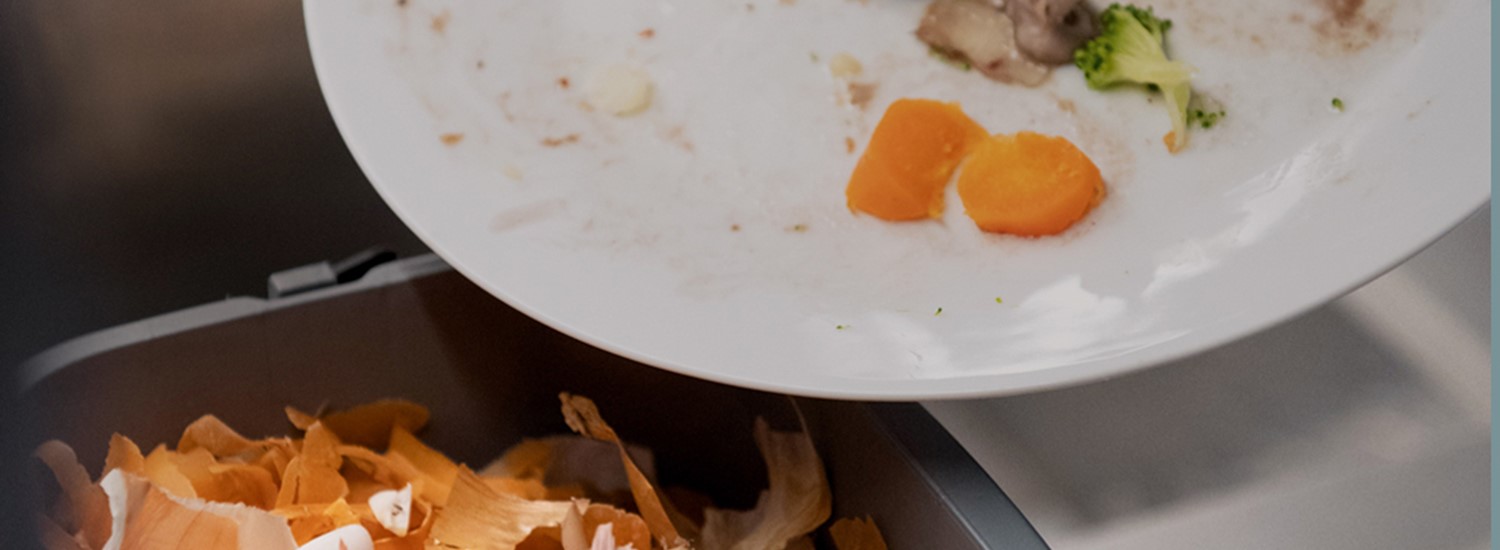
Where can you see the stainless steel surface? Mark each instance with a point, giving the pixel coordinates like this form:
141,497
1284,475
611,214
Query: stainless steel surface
1361,425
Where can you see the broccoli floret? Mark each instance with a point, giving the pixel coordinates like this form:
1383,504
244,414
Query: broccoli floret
1129,50
1204,119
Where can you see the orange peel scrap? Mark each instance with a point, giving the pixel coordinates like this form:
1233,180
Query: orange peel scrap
436,471
177,526
624,528
162,470
369,424
856,534
582,415
478,518
797,501
212,434
54,537
124,455
529,489
313,476
86,502
220,490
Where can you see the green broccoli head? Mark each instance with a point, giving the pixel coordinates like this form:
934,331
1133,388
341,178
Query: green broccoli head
1146,18
1129,50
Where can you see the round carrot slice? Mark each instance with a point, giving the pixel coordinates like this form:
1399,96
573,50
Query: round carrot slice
1028,184
910,158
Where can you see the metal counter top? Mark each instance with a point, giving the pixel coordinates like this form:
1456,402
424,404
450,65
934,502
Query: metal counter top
1363,424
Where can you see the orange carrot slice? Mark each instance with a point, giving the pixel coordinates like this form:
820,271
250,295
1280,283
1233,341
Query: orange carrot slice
1028,184
910,158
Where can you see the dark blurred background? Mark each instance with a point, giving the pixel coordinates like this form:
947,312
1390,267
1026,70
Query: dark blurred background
154,155
165,153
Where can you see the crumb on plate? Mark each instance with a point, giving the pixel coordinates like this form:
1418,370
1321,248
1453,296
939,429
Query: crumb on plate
621,90
557,141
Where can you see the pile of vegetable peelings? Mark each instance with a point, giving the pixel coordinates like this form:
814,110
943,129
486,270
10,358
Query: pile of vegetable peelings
1025,183
360,479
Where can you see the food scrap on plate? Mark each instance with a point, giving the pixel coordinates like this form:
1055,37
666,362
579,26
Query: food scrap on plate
910,158
620,90
1131,49
1024,184
1021,41
360,479
1028,184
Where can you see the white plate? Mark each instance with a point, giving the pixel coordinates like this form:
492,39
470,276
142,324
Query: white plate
709,234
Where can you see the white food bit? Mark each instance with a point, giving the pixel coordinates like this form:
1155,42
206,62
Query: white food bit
512,171
350,537
126,494
392,509
604,538
845,66
621,90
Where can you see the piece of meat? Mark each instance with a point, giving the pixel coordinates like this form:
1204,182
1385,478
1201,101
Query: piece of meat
1049,30
978,32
